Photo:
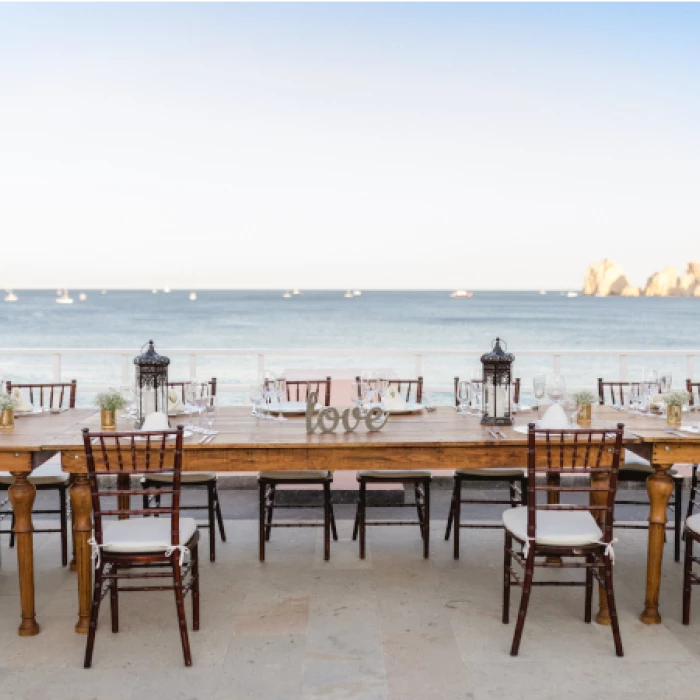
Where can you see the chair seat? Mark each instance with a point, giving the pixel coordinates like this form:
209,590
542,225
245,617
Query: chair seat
570,528
144,534
693,523
185,477
311,475
634,464
498,473
393,474
45,475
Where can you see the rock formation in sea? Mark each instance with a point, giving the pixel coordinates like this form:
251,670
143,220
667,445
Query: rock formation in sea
605,278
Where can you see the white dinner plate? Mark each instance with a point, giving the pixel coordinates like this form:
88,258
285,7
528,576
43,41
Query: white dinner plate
408,408
34,412
288,408
185,434
690,429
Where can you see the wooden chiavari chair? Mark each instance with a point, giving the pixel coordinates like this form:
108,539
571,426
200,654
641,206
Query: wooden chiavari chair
48,477
693,389
193,481
515,478
160,546
420,480
637,470
547,531
268,481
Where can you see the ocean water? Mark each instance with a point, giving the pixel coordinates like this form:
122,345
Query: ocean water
376,320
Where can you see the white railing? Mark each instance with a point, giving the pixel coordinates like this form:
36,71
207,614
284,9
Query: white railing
262,356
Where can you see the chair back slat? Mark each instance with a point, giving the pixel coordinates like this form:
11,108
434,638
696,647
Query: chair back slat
102,463
181,386
407,387
299,389
616,390
55,392
593,453
515,385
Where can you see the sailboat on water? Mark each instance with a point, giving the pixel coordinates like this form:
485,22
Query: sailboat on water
10,296
63,297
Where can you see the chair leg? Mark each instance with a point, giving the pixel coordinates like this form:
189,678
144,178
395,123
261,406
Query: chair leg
63,501
212,522
523,490
12,529
219,517
114,602
457,518
450,515
94,613
326,522
677,526
607,563
687,583
524,600
334,530
194,553
426,519
356,526
180,606
507,546
261,520
419,508
270,504
590,560
693,491
361,511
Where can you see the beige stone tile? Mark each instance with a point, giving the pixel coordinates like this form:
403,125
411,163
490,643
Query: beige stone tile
288,616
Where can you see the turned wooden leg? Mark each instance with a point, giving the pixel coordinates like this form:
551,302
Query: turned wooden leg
660,488
73,564
82,530
22,495
599,498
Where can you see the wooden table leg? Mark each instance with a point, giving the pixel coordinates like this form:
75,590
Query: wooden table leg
22,495
73,566
82,531
660,488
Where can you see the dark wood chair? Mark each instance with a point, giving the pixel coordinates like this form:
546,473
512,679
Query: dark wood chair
268,481
49,477
637,470
419,479
548,531
193,481
164,547
515,478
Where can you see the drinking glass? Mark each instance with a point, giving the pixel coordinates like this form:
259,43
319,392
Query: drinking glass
665,381
211,411
370,385
281,390
201,403
383,383
555,387
128,393
358,395
477,388
538,385
464,394
571,409
256,398
635,394
190,406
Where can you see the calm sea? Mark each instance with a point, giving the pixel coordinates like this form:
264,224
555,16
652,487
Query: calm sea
325,319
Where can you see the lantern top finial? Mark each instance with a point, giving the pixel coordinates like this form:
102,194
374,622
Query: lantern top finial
151,358
497,353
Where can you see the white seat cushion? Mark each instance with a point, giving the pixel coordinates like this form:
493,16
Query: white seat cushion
693,523
561,528
41,476
496,473
144,534
636,463
185,477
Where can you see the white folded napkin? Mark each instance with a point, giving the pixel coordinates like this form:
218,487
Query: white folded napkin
21,404
175,404
155,421
392,399
554,418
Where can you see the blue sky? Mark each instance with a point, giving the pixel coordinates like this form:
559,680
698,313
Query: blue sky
332,145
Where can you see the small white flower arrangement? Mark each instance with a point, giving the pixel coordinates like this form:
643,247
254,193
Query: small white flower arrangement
584,398
677,398
110,400
8,402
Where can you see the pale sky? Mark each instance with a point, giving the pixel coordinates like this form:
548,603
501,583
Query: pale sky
328,146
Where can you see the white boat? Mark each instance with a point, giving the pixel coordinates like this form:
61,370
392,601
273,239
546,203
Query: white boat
357,293
155,291
166,290
82,296
10,296
571,294
63,297
348,294
461,294
296,291
543,291
104,291
287,295
193,296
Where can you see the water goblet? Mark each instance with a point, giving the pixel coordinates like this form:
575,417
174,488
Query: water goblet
357,395
211,411
555,387
538,385
571,408
635,394
464,394
190,407
256,399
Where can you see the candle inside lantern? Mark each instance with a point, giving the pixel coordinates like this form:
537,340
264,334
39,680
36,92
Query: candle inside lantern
496,401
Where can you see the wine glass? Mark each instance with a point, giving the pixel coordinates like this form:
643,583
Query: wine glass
281,390
357,394
201,402
571,408
464,394
256,398
477,388
538,385
635,394
370,385
128,393
190,407
665,381
211,411
555,387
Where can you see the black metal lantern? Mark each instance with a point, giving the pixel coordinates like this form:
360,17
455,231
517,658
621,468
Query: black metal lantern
151,384
496,386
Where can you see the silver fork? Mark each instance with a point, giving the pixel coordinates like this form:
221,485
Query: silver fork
501,433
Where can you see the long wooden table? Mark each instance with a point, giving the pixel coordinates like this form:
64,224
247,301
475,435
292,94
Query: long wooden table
438,440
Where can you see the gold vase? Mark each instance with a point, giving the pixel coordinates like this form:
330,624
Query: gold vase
584,414
674,415
108,419
7,418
